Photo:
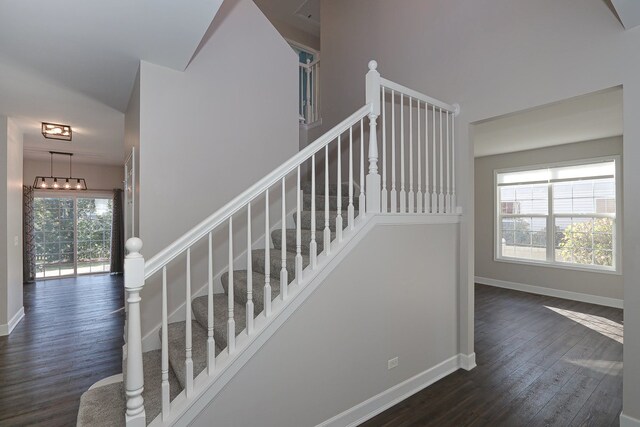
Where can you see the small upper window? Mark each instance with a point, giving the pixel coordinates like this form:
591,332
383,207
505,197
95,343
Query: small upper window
560,215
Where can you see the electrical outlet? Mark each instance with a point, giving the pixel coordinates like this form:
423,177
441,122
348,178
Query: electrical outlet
392,363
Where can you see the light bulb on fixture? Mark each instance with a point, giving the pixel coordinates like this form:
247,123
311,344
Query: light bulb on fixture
78,185
44,183
55,183
66,184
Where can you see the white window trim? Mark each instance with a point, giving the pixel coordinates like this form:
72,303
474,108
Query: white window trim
617,232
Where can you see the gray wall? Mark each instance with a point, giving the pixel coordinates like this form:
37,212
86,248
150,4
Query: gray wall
593,283
394,295
132,140
494,57
11,140
208,133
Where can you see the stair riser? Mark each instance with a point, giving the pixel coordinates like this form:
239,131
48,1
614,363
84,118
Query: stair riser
276,237
240,291
306,220
333,202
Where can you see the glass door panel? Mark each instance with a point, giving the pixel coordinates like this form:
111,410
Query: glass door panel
54,224
94,234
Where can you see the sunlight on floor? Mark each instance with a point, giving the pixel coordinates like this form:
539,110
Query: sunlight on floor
602,325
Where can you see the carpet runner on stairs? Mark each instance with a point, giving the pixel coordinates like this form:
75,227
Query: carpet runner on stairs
105,406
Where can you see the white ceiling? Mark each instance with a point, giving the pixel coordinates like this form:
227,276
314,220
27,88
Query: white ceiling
587,117
74,62
301,14
628,11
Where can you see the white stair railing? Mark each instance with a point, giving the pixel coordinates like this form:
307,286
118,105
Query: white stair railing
309,74
372,199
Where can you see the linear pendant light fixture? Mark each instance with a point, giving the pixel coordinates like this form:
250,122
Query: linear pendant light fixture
56,131
59,182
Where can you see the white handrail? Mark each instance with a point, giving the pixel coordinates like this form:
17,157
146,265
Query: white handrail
388,84
198,232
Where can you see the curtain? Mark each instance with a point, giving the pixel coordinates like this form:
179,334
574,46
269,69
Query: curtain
29,245
117,234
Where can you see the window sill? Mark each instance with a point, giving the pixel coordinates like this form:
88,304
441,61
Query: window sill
589,269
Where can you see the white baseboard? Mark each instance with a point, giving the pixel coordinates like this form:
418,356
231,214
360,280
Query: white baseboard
380,402
550,292
627,421
467,361
7,328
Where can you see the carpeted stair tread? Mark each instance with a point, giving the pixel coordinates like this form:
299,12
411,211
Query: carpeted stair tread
305,217
106,405
333,201
200,309
258,258
305,235
177,335
240,288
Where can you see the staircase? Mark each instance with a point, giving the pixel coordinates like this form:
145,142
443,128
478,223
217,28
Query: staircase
158,386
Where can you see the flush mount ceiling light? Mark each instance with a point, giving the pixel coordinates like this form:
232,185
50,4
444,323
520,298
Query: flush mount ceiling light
59,182
55,131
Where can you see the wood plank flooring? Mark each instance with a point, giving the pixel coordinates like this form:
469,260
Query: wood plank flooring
70,337
542,361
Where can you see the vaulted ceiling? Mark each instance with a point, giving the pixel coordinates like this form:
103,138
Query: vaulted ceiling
75,61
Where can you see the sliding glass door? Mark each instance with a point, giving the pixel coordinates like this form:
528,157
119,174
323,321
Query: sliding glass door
72,234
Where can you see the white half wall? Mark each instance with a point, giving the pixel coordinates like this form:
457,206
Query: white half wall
208,133
494,58
606,285
11,147
394,295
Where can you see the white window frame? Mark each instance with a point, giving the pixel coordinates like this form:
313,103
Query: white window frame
551,262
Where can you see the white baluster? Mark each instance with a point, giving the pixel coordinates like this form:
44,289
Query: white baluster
427,193
309,108
441,155
211,343
362,198
133,284
188,361
351,214
447,200
166,395
249,310
298,233
454,202
313,245
284,276
411,194
231,323
339,198
384,195
434,195
267,257
403,193
327,230
393,195
419,204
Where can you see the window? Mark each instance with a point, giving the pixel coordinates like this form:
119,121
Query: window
561,215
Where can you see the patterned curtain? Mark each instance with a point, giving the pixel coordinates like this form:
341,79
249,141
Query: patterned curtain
117,234
29,246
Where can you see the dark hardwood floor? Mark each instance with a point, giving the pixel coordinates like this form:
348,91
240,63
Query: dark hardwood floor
70,337
542,361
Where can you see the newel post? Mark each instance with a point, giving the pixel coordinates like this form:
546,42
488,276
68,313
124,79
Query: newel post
133,284
373,183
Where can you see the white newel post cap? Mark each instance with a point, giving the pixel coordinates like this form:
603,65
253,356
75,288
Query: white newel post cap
133,245
456,109
373,64
133,265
